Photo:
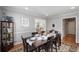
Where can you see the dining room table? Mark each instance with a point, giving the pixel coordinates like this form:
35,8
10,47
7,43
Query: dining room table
38,41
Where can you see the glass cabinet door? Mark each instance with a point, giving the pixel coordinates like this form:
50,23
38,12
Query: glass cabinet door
9,33
4,34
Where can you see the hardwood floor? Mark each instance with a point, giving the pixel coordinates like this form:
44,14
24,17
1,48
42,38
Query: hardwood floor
17,48
69,39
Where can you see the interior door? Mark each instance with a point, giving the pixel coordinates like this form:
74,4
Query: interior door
71,27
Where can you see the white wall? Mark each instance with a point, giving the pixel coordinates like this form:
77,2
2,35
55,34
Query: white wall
58,21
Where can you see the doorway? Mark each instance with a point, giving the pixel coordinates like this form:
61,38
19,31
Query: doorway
69,30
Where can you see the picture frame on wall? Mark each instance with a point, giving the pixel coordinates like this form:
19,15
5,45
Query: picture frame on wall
25,21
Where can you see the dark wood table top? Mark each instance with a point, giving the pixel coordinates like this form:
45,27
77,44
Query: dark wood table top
39,43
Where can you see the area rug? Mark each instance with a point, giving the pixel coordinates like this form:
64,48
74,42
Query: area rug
63,48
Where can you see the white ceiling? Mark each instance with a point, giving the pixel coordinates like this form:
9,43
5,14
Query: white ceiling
44,11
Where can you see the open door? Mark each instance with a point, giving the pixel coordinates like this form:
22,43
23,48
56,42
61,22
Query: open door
69,28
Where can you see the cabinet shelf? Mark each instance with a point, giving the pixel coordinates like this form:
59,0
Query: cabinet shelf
6,35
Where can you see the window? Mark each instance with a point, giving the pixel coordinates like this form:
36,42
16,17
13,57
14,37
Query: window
40,25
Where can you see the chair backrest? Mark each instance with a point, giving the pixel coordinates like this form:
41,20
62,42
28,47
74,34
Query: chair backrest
25,44
58,36
49,43
57,39
50,38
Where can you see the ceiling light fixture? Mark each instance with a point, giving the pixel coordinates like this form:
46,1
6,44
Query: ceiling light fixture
72,8
26,8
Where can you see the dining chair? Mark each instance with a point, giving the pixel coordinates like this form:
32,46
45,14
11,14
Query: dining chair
57,42
26,46
49,44
52,43
46,47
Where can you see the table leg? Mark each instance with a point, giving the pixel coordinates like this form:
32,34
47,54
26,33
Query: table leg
38,49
